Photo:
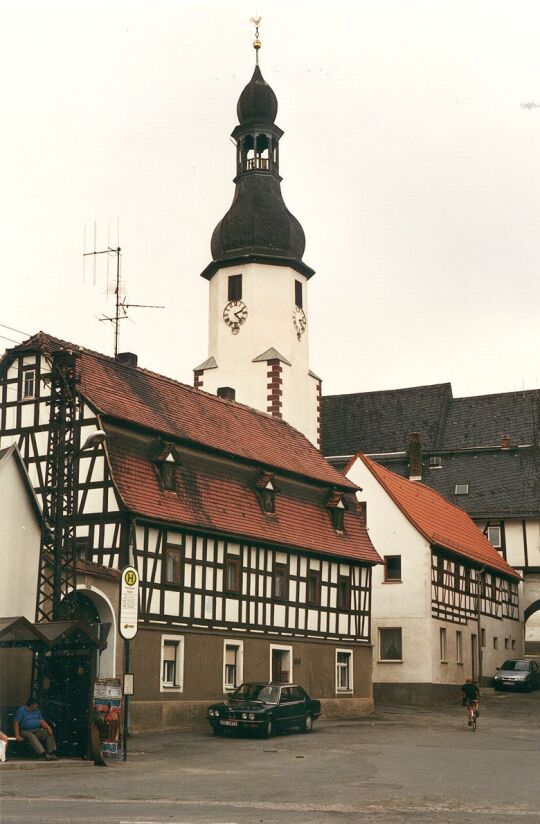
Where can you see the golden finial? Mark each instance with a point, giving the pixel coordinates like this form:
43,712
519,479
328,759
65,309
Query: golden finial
256,43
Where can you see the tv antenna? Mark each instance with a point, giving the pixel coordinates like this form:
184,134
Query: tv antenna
118,288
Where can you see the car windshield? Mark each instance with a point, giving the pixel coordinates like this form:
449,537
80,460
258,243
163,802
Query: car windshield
257,692
522,666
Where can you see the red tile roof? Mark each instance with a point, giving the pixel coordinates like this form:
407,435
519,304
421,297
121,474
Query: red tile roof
225,504
439,521
181,412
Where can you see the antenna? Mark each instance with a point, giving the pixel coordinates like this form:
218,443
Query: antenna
118,289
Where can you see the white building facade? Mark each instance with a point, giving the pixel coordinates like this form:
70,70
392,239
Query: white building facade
445,605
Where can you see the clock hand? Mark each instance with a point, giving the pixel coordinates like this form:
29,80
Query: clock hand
237,314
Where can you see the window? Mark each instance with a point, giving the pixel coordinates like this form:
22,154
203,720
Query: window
313,595
280,582
442,644
232,573
513,644
298,295
507,643
362,512
494,536
344,592
459,647
268,499
232,665
172,663
235,287
173,565
344,673
482,637
29,382
461,489
392,567
168,475
495,643
390,644
435,462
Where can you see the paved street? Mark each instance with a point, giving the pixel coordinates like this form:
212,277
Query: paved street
400,766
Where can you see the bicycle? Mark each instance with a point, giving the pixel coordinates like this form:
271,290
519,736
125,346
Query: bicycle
472,714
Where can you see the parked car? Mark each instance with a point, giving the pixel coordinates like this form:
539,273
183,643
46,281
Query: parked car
517,673
265,708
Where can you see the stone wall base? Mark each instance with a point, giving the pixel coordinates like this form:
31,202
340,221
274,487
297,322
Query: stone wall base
160,716
416,695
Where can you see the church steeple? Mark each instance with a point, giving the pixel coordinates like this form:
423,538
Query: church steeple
258,283
258,225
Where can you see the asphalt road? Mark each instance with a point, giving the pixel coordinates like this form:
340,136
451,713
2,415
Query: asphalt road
399,767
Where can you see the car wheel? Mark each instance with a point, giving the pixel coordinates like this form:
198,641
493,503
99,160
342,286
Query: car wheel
307,723
268,729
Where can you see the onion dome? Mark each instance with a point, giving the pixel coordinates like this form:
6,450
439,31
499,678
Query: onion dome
257,103
258,225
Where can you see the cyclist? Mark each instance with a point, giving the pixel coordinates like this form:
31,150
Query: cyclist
470,693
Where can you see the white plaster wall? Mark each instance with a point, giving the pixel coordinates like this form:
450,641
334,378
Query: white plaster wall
19,545
268,292
407,604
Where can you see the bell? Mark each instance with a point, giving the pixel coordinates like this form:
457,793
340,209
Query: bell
257,44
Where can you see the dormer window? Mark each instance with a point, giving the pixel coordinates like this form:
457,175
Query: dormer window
461,489
167,466
336,508
266,491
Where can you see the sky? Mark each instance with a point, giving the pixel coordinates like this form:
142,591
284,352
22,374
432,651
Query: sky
410,156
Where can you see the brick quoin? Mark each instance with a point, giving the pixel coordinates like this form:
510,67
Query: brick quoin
198,378
319,401
274,383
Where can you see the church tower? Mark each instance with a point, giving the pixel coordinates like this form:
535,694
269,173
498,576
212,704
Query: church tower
258,307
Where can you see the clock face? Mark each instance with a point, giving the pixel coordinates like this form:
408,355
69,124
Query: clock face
235,314
300,321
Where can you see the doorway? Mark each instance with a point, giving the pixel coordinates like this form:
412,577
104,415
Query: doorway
281,664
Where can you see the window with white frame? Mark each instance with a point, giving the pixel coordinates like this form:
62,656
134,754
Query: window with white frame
29,383
232,664
390,645
172,663
494,536
442,644
344,670
459,647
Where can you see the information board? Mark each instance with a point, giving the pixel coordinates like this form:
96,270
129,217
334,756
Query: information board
129,603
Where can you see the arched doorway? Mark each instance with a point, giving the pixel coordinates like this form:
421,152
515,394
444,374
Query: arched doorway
532,628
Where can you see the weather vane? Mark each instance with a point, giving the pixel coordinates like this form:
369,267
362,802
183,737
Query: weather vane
256,43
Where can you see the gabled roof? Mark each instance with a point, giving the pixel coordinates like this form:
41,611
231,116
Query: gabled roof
158,403
440,522
221,498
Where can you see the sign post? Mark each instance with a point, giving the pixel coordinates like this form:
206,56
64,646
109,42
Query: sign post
129,614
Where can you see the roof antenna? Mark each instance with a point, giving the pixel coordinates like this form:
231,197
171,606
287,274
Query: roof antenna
118,288
256,43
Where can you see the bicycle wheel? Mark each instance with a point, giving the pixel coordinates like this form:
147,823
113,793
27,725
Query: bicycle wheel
474,720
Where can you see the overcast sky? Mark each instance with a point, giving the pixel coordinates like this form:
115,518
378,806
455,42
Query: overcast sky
411,157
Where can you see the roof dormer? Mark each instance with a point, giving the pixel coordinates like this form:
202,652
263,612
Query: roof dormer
266,491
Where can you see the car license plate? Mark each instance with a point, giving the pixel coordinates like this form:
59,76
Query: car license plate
226,723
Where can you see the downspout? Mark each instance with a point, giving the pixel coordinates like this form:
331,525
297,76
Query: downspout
481,572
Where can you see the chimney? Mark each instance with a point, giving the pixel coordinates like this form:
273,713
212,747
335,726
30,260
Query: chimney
414,451
227,393
505,441
127,358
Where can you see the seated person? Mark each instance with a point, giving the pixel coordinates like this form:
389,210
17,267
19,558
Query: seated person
29,725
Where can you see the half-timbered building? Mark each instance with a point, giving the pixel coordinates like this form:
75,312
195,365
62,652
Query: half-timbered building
445,604
481,453
253,555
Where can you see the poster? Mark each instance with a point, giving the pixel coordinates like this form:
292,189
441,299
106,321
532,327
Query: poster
107,709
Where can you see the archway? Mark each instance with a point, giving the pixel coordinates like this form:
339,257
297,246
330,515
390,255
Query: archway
94,608
532,628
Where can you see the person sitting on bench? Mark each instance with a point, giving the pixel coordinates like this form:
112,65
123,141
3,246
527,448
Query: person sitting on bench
29,725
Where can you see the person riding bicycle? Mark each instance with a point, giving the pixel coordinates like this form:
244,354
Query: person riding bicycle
470,692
